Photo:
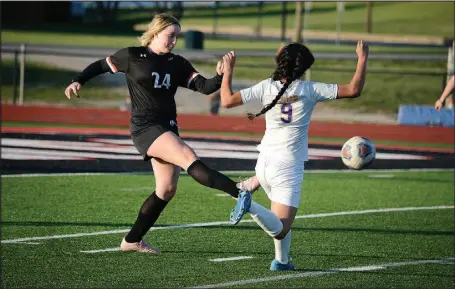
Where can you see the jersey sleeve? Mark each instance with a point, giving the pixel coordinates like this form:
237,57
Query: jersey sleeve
323,91
188,73
255,92
118,62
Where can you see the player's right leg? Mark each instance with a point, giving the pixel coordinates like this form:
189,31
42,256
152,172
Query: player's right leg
281,180
285,197
283,240
265,218
166,179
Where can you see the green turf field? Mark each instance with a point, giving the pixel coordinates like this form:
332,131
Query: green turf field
53,209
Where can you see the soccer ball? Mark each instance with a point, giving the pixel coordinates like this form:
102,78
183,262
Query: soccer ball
358,153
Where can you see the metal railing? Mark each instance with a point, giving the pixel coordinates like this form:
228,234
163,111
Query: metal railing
203,56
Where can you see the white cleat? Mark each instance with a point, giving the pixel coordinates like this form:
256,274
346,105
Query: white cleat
138,247
251,184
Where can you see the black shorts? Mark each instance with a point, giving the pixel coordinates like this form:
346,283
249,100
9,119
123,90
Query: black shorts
144,136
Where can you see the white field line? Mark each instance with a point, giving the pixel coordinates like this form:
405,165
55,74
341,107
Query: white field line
231,259
20,240
103,250
326,272
222,195
233,172
381,176
196,225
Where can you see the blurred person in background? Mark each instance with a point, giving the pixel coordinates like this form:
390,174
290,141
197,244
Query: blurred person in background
446,92
288,103
153,75
214,103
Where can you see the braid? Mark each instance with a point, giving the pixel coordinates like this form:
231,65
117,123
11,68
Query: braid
272,104
292,62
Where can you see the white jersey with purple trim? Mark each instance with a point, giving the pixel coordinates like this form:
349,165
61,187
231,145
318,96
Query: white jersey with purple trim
287,123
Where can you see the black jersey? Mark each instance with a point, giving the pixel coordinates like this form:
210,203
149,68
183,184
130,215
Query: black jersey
152,80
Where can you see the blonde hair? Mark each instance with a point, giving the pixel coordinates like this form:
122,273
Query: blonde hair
158,24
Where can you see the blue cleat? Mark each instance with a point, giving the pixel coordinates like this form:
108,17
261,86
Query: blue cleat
277,266
241,208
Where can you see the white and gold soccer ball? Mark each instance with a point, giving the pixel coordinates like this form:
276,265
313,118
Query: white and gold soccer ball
358,153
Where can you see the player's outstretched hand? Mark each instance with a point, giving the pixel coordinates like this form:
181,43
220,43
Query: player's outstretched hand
73,87
362,49
229,61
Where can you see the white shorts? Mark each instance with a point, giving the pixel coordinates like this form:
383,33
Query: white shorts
281,179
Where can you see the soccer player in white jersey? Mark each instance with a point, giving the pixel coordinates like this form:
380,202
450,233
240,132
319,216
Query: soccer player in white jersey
288,103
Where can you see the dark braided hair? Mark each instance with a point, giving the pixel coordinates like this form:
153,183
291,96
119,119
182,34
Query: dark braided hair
291,63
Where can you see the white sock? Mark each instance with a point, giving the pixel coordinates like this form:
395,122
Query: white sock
266,219
282,249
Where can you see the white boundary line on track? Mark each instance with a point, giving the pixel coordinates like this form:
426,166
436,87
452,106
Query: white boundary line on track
326,272
196,225
231,172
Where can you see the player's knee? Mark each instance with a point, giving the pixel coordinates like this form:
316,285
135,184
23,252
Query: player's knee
189,157
167,193
283,233
276,232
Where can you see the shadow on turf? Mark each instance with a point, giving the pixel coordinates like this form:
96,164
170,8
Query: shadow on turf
227,227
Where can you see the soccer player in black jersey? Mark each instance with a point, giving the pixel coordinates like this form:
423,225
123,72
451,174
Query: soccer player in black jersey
153,75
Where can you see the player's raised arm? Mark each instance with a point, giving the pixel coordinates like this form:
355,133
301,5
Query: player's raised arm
228,98
195,81
355,87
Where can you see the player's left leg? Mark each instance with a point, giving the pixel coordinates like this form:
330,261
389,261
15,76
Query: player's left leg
171,148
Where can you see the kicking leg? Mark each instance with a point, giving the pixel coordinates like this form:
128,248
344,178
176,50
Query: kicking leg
172,149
